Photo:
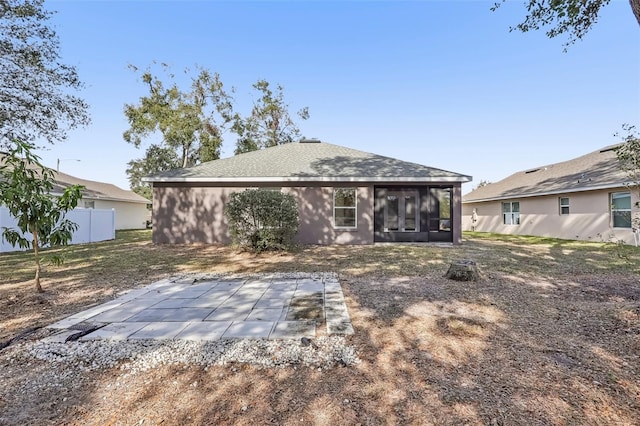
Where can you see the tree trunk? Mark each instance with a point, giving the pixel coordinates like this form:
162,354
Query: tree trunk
635,7
34,232
463,270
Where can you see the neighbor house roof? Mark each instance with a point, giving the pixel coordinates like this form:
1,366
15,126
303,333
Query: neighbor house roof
597,170
93,190
308,161
96,190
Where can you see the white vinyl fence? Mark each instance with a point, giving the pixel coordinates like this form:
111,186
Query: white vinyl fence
93,225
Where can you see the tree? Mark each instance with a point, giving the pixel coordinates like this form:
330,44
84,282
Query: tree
25,188
482,183
269,123
157,159
191,123
571,17
629,160
35,98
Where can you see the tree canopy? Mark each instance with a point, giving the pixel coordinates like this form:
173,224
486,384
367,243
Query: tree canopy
190,123
573,18
36,100
269,123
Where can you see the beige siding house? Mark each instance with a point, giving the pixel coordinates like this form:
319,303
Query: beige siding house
344,196
131,210
586,198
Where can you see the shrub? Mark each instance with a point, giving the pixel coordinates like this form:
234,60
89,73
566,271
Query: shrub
262,219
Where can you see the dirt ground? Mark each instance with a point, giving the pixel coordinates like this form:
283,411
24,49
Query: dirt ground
550,335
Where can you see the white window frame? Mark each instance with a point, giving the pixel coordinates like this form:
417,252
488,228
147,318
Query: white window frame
514,217
354,208
564,205
612,209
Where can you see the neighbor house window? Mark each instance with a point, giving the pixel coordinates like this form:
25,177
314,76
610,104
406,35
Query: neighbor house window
564,205
511,213
89,204
621,209
344,207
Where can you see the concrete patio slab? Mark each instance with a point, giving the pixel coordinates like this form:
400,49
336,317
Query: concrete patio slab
273,293
204,302
339,328
241,304
293,330
173,315
66,323
118,314
204,331
284,286
265,315
191,293
97,310
174,303
249,329
115,331
228,314
202,307
160,330
272,303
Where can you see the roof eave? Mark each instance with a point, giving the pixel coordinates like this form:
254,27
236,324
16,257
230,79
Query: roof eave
541,194
97,198
306,179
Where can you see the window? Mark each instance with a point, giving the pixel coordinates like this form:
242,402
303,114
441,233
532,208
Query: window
564,205
89,204
621,209
511,213
344,207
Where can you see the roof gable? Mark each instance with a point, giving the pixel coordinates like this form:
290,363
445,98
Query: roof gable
596,170
302,161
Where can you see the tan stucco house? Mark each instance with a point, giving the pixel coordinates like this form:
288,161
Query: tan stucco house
344,196
586,198
130,209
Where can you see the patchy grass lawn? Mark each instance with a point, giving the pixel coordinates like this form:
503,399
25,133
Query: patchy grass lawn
551,335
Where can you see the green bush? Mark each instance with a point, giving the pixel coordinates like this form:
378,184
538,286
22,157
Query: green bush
262,219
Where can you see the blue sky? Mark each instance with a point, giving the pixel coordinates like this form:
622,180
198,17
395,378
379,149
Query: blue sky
440,83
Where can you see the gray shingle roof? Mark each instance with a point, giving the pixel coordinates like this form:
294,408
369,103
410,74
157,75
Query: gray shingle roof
305,161
96,190
596,170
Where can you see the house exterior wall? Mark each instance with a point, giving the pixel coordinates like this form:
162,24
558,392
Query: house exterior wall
189,214
589,217
128,215
186,213
315,210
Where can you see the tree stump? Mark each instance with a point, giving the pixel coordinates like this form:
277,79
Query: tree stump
463,270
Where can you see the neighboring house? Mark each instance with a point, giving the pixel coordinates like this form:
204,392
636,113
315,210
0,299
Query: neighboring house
586,198
131,210
344,196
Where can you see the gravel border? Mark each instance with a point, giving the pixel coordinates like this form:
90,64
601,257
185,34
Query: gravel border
141,355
